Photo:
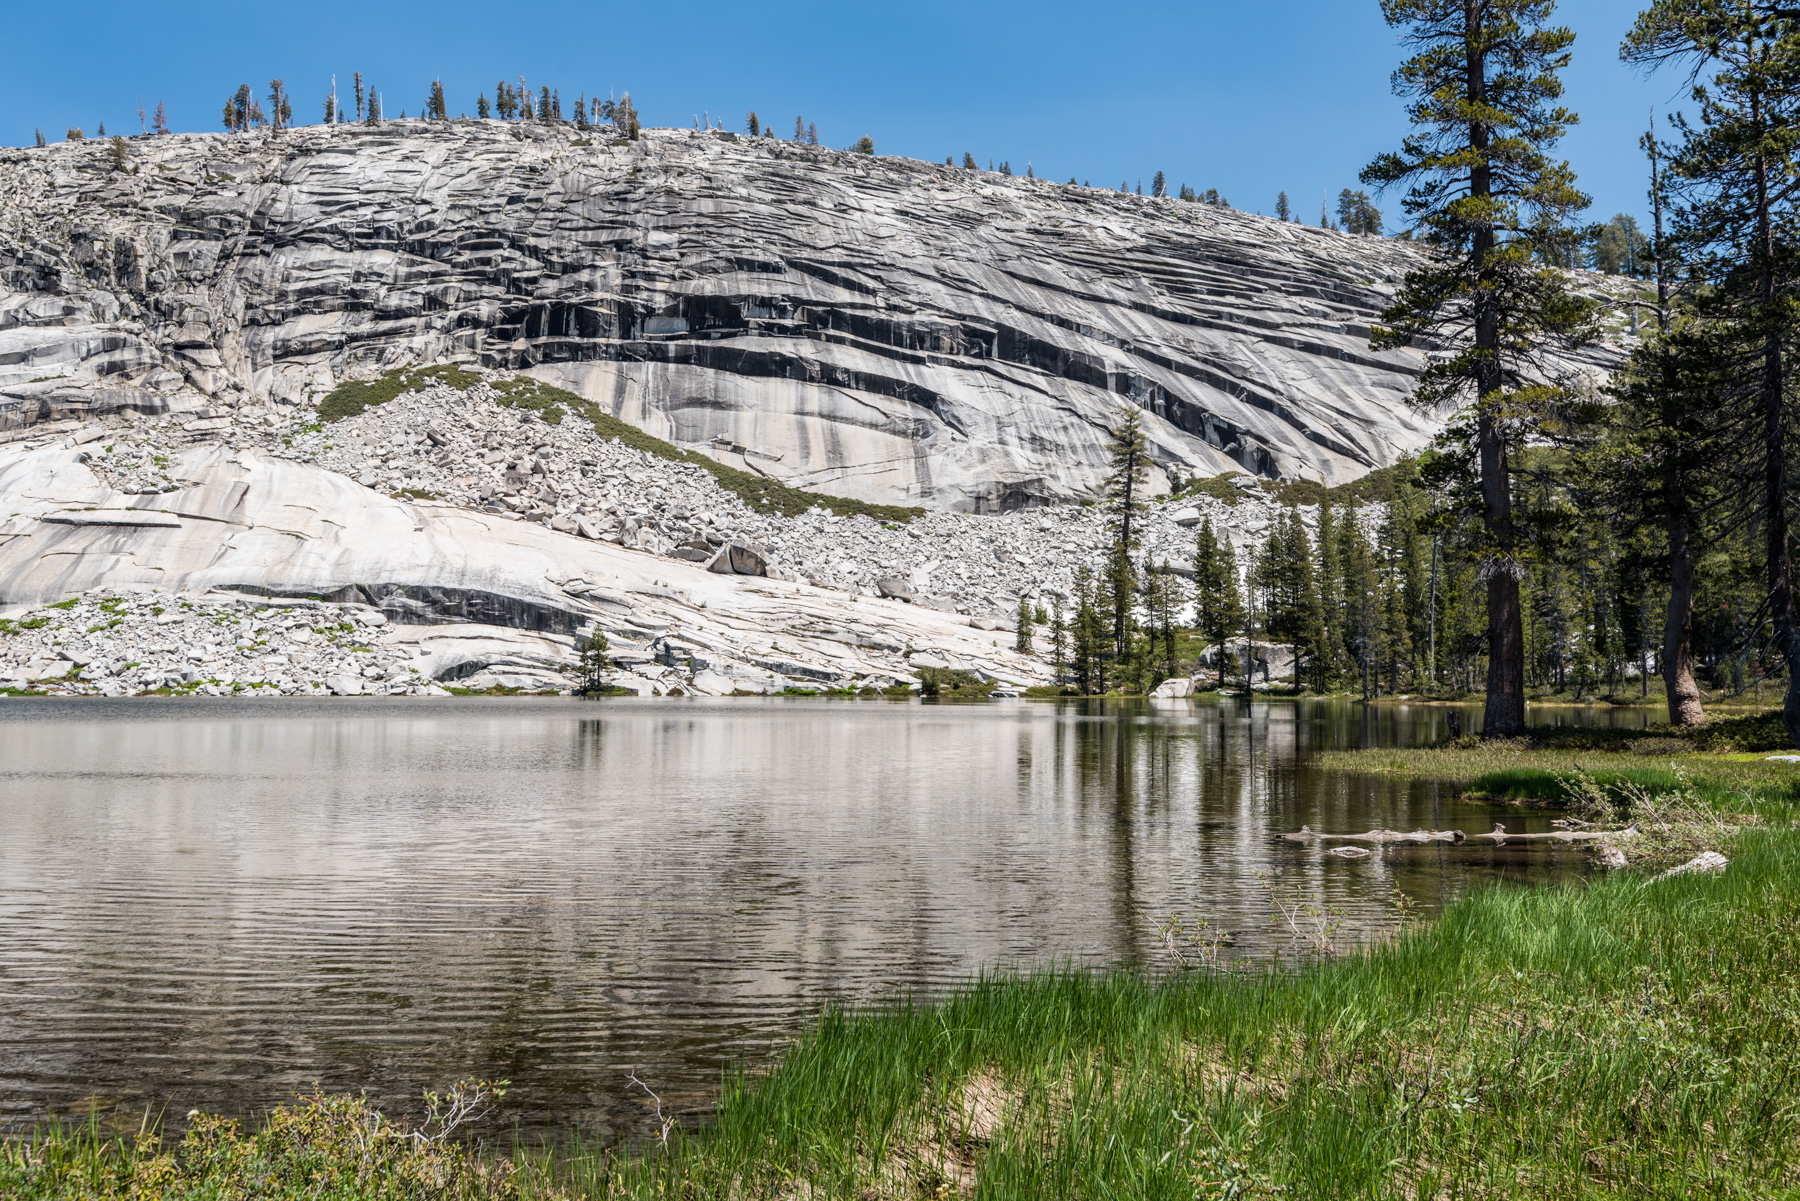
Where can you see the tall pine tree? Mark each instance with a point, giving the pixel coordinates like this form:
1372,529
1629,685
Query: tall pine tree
1483,88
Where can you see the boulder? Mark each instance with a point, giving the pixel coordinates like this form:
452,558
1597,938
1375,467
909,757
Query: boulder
895,588
712,683
737,558
1178,687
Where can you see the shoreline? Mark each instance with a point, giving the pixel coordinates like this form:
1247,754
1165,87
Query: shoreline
1502,1043
1627,1033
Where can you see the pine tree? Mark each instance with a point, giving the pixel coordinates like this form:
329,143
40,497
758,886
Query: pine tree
592,662
1159,186
1059,639
1357,213
799,129
1087,660
1162,596
1291,587
1022,628
330,109
1282,210
812,134
864,145
752,125
41,141
1663,433
357,77
1730,183
1327,659
281,111
101,130
1485,83
1129,469
482,110
1218,611
374,117
435,109
968,161
1361,590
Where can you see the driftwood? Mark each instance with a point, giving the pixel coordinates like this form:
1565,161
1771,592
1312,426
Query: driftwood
1497,836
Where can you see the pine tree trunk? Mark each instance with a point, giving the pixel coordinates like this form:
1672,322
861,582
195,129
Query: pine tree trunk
1678,629
1781,588
1505,714
1682,693
1774,406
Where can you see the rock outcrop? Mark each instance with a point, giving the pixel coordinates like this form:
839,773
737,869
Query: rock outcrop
877,328
254,573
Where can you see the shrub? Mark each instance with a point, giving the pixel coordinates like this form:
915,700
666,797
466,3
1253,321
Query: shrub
955,685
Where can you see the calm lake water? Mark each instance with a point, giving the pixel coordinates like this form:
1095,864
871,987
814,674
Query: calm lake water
217,904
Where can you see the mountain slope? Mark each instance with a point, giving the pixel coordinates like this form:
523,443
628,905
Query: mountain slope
870,327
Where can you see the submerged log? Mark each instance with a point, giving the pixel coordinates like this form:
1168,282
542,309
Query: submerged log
1307,834
1498,836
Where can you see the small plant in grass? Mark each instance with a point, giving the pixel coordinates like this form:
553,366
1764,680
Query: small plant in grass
1193,942
1312,924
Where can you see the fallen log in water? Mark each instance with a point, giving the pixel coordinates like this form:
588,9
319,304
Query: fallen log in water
1497,836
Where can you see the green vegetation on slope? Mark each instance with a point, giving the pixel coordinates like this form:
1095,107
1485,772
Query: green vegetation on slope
553,404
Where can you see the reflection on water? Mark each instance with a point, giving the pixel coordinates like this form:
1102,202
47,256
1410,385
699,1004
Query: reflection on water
215,905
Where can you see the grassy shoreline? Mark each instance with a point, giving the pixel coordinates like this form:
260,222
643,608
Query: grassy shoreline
1624,1037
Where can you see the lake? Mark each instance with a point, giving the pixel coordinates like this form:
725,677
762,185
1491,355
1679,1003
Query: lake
217,904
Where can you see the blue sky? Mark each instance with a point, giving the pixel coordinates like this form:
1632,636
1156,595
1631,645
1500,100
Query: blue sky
1249,96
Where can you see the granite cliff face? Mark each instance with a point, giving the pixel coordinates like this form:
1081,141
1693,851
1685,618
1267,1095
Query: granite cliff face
877,328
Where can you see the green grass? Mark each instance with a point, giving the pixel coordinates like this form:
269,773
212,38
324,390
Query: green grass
1616,1040
1622,1039
553,404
